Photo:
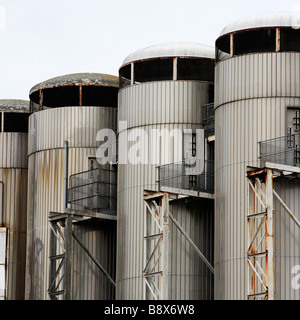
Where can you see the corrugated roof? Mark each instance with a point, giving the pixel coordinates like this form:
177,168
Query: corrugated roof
14,105
276,19
77,79
172,49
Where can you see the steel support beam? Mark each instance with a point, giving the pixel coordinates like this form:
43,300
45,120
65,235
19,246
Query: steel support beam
260,228
61,252
260,254
156,244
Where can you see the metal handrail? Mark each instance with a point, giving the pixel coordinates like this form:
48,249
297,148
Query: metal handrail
276,149
86,192
175,175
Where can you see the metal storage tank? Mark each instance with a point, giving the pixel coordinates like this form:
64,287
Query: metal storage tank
257,87
70,108
162,87
13,194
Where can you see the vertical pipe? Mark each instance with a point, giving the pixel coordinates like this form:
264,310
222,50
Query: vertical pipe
165,243
2,122
80,96
68,259
231,45
40,99
132,73
66,147
277,39
269,236
2,203
175,69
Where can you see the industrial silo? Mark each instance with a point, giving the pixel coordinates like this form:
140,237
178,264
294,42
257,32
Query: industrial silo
163,89
13,194
257,90
68,111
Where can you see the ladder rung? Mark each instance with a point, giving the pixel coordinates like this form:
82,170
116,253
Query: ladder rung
153,236
253,295
59,256
256,215
56,293
258,254
151,274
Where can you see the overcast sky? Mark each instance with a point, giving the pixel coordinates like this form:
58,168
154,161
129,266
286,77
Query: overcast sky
41,39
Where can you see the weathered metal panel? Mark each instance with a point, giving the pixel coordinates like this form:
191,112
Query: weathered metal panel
77,79
160,105
173,49
252,94
163,102
13,146
100,239
259,75
13,177
3,245
287,240
278,19
48,129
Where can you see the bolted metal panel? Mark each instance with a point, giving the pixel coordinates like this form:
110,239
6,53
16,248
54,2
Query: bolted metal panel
48,129
252,93
168,105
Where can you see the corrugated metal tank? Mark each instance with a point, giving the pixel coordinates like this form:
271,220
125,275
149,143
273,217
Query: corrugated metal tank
69,108
161,87
13,191
257,77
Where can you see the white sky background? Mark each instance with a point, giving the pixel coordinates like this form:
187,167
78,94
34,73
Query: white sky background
44,39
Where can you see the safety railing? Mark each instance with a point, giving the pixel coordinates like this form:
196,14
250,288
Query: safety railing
93,190
189,174
282,150
209,119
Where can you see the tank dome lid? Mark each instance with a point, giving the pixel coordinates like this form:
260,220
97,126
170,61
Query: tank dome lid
77,79
172,49
276,19
14,105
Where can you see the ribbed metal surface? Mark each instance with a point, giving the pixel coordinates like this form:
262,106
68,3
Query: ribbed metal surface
13,202
77,125
287,239
100,239
190,279
155,105
252,95
48,130
13,146
163,102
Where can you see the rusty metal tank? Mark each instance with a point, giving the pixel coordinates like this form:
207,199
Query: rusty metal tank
162,87
70,108
257,85
13,196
